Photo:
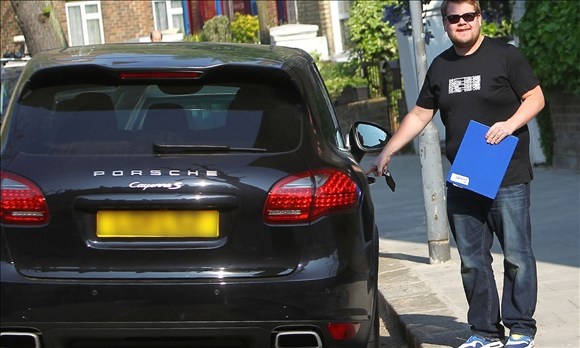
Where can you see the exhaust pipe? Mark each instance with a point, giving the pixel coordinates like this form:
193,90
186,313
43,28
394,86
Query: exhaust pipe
298,339
19,340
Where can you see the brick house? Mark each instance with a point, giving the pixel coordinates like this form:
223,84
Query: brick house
111,21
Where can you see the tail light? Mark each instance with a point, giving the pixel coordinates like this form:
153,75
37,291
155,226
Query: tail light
145,75
21,202
307,196
343,331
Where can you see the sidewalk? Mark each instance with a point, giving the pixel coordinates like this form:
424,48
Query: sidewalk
428,301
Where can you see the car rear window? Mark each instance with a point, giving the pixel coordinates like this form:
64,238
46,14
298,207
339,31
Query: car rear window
124,119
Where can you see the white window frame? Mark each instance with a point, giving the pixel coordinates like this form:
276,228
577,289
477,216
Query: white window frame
339,13
170,13
84,18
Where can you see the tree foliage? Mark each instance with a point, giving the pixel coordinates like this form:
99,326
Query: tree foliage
501,29
549,39
338,76
217,29
372,38
242,29
497,19
245,28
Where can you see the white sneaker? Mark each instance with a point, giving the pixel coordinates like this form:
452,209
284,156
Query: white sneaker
480,342
520,341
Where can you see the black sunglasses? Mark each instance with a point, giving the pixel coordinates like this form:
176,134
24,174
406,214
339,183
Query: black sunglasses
468,17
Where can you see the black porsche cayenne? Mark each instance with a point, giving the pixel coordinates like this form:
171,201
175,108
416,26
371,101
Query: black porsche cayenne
172,195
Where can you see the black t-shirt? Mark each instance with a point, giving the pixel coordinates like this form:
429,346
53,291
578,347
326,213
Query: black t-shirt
486,87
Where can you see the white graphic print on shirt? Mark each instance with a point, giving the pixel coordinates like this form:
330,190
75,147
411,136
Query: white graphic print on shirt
465,84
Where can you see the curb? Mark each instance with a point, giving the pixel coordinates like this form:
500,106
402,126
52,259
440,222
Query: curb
421,318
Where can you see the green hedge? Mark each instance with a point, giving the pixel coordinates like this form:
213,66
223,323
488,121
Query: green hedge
549,39
242,29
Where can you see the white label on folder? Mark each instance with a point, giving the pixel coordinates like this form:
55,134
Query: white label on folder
460,179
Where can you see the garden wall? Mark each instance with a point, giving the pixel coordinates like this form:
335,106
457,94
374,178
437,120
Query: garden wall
373,110
565,113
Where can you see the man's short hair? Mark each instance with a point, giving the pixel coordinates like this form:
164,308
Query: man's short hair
475,4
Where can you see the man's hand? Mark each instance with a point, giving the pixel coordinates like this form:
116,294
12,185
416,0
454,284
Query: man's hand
532,103
413,123
498,132
380,164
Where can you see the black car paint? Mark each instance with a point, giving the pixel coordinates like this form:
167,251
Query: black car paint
247,283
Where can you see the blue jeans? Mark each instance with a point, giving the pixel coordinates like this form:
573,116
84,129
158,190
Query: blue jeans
474,219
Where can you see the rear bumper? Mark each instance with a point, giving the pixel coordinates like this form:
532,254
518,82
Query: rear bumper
231,335
248,313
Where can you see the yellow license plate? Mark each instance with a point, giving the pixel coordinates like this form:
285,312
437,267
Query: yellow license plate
157,224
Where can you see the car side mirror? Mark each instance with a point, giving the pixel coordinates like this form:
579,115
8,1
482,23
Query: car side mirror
366,137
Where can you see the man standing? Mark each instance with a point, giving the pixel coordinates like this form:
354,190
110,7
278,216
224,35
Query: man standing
489,81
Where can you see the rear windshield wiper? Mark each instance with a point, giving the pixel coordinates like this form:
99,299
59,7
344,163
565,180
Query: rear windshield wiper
190,148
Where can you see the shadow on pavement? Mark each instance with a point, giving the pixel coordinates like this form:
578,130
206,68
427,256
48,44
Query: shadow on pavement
405,257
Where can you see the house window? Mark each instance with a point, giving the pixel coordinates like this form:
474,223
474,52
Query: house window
168,14
343,15
85,23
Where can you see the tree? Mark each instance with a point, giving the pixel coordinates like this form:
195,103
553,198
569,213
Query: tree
245,28
217,29
263,20
39,24
549,39
373,39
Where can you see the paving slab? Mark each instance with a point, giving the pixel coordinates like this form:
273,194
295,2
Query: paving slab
427,300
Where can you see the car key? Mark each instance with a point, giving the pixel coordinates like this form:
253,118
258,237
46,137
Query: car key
390,180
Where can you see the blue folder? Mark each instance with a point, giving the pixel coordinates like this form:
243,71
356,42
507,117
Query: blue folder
479,166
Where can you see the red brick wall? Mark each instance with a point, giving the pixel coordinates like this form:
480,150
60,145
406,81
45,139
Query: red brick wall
272,14
122,20
9,29
196,20
127,20
60,9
